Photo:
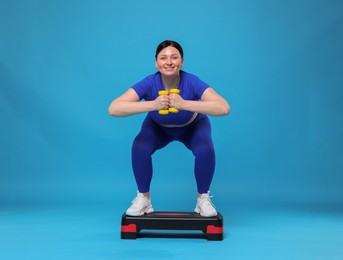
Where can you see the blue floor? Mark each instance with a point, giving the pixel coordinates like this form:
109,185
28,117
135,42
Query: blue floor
93,232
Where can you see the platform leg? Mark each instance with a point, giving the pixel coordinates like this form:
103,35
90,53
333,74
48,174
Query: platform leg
128,235
215,237
214,232
129,231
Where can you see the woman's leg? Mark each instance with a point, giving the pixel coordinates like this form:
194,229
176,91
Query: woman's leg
199,140
148,140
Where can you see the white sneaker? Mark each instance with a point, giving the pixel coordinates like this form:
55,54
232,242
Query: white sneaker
140,206
204,206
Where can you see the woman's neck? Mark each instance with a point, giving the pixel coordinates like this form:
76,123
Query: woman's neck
170,82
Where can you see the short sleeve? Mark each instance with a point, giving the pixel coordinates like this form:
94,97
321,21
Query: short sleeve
141,88
199,87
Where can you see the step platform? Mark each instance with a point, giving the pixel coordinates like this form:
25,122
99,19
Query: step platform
212,227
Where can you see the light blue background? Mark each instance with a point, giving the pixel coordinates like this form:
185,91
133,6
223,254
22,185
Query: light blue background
278,63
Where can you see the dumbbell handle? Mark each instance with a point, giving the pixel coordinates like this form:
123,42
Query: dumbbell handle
171,109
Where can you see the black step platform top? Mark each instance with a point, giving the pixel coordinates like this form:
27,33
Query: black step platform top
173,215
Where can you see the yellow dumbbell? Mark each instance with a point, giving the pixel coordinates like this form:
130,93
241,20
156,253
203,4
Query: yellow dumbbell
163,111
171,109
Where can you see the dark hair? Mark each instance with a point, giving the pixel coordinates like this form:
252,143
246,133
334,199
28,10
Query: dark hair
166,44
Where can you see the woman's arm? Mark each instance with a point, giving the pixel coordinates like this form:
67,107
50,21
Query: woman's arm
211,103
129,104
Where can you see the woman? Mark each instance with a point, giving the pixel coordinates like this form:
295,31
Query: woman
189,125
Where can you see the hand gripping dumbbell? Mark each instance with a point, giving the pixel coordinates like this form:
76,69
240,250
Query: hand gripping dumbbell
171,109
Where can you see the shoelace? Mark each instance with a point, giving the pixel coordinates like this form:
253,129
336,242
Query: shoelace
136,199
208,200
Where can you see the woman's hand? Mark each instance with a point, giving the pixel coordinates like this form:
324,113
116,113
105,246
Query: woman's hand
175,100
162,102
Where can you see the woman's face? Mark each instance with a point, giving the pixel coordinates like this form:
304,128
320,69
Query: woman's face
169,61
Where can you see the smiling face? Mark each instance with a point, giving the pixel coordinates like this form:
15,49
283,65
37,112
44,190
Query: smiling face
169,61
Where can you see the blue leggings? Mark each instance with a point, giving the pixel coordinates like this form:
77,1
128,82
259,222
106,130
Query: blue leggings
196,137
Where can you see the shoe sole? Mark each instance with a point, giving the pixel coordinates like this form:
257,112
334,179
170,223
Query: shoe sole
197,210
148,210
